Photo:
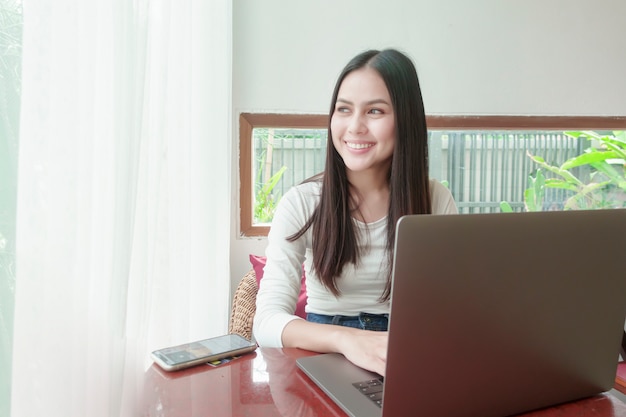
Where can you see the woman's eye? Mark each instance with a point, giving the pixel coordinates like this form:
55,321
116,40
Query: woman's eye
376,111
342,110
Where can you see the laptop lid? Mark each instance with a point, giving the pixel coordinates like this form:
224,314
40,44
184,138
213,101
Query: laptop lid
495,314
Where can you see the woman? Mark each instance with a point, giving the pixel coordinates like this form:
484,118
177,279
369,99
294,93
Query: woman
341,224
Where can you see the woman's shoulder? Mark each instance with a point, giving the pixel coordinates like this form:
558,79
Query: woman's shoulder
309,190
311,186
441,198
294,209
302,197
436,186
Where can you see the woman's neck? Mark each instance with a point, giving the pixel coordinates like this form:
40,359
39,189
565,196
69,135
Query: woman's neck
370,195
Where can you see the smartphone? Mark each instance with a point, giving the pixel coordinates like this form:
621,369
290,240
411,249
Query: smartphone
207,350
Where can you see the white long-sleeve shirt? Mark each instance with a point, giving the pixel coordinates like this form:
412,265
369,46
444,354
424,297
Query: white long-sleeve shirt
360,285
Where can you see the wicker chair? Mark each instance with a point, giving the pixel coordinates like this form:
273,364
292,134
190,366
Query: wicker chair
244,306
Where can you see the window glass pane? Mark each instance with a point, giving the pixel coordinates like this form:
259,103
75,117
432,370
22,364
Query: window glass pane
10,93
531,171
282,159
486,171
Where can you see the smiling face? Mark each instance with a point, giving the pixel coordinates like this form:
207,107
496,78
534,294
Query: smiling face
363,123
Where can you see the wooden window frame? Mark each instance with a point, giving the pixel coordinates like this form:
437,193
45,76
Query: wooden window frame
250,121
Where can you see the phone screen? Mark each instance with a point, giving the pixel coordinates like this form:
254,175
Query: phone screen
190,352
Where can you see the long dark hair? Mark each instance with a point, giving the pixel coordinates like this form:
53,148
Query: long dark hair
334,240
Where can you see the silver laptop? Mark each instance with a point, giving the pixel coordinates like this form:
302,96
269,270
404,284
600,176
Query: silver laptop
493,315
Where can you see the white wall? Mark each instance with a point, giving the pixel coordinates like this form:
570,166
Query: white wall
521,57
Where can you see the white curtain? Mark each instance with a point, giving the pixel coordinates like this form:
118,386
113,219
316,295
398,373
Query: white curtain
123,192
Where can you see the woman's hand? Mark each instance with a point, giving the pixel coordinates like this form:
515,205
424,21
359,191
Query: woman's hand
365,348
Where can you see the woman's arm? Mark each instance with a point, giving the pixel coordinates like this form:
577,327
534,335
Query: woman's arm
364,348
280,287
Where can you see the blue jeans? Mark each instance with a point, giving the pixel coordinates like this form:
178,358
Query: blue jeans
364,321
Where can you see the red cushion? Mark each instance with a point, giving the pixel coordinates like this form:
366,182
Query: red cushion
258,263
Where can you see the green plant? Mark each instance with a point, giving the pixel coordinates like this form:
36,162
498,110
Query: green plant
535,193
595,179
265,200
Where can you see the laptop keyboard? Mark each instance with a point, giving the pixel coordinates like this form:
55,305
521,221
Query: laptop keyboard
372,389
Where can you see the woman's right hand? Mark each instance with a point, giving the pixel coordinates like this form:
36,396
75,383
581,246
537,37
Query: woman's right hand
365,348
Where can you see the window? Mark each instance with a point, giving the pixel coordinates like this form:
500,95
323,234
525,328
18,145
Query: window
11,23
276,152
489,162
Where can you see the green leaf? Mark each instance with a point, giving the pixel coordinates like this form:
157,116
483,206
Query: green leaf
610,171
534,194
265,201
617,147
539,183
505,207
529,199
568,176
537,159
588,158
592,187
560,184
269,186
574,135
590,134
586,198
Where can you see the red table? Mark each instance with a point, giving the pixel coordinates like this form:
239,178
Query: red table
268,383
620,380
